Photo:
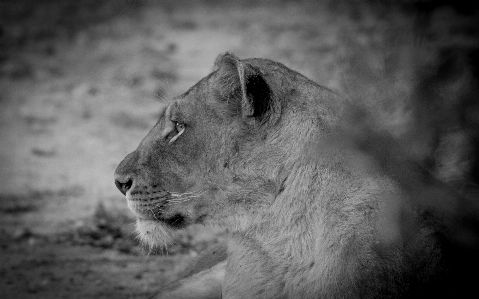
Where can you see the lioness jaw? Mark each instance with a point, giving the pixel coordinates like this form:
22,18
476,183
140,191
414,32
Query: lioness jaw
248,148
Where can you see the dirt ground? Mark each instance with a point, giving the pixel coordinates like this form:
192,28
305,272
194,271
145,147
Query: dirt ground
80,83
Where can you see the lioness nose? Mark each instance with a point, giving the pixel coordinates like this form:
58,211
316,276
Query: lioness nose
124,186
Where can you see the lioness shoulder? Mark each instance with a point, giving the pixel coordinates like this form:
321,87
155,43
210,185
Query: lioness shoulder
249,148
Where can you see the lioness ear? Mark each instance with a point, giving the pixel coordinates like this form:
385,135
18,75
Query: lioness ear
240,81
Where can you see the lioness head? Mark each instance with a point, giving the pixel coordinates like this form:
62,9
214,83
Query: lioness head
222,152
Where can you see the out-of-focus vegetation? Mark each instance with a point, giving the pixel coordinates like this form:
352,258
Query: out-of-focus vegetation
416,109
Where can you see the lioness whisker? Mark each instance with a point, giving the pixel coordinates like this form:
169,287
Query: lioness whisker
192,193
182,199
186,197
153,214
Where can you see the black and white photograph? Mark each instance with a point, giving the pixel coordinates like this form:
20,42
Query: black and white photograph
275,149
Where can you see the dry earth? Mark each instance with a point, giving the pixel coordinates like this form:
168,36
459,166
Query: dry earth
80,83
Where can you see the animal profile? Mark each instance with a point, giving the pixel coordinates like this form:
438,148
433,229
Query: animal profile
256,148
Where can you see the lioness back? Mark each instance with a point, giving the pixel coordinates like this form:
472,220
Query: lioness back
256,148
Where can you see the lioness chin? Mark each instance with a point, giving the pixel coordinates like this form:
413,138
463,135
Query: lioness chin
248,148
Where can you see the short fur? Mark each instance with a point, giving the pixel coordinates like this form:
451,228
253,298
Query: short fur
257,157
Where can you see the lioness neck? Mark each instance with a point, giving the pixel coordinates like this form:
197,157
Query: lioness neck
321,229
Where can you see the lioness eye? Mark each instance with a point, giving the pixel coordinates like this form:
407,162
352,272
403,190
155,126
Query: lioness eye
180,128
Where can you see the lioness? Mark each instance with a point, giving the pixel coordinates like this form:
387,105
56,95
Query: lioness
251,148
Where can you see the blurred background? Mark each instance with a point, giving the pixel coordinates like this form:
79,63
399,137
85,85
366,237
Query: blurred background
80,83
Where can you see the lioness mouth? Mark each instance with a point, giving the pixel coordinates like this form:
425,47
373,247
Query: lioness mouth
177,221
150,206
154,213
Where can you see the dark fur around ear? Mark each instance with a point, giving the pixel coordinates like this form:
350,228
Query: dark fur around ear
239,81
